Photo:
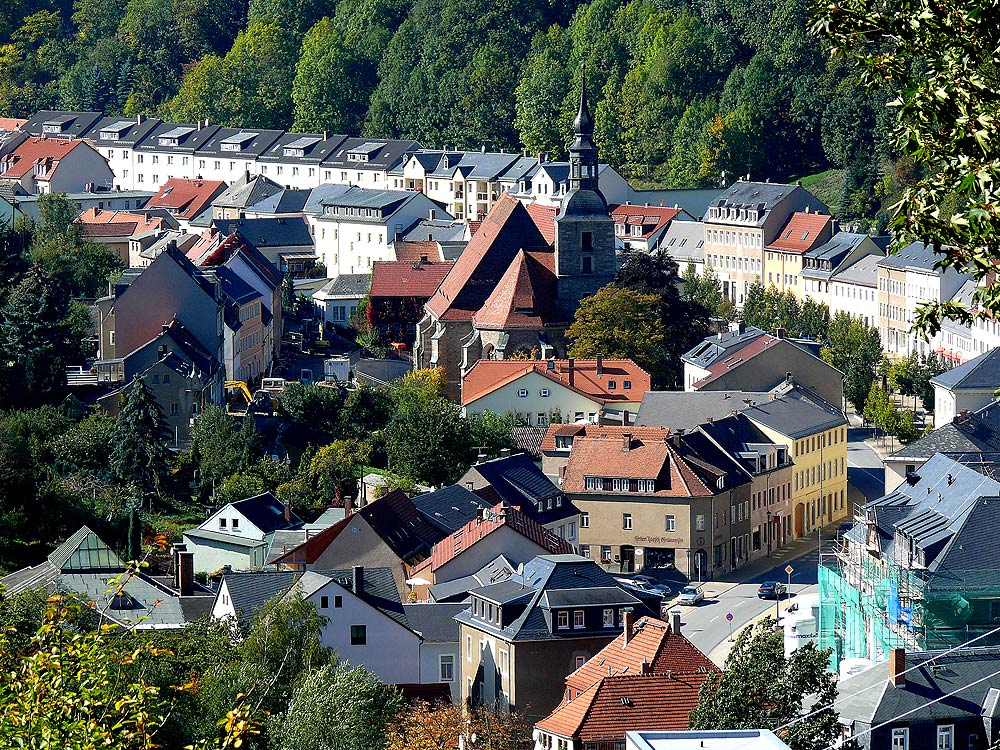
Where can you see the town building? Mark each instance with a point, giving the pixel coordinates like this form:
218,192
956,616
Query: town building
649,676
355,227
243,193
684,242
338,299
918,569
641,228
906,280
966,388
518,283
742,221
56,165
295,160
115,229
650,499
547,182
783,256
239,534
722,739
115,138
386,533
914,699
227,154
598,390
816,439
286,242
841,274
547,619
399,291
83,565
168,153
968,437
185,199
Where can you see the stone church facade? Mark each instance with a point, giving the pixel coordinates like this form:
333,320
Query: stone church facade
514,290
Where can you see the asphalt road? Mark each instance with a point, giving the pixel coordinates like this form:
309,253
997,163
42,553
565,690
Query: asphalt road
706,624
864,467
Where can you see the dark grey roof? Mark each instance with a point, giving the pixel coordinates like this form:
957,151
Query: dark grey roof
189,137
520,167
251,590
436,230
795,417
518,482
981,373
496,570
347,285
381,154
71,124
831,254
308,148
235,287
916,255
286,201
359,197
378,590
269,232
246,192
435,623
863,272
475,165
583,204
266,512
745,194
572,576
321,194
685,410
451,507
945,512
967,674
249,143
974,434
711,349
126,132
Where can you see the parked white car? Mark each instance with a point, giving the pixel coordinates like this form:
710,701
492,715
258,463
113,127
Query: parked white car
691,595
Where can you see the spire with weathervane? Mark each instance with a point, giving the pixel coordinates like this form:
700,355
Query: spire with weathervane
583,152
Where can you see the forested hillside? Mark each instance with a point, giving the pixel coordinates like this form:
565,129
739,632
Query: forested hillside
682,91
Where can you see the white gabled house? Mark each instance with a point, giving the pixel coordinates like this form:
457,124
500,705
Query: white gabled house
239,534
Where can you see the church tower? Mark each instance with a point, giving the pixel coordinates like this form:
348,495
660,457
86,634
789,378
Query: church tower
585,238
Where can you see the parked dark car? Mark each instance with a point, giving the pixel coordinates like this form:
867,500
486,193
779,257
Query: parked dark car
771,590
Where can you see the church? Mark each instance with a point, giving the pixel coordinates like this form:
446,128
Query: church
515,289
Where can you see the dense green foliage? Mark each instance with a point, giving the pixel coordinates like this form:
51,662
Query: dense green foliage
682,92
762,689
856,350
769,309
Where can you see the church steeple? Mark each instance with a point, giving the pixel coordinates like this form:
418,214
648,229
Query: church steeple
583,152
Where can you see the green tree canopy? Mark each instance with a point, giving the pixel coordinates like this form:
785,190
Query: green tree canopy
139,455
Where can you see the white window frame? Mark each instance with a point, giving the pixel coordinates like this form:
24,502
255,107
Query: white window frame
900,738
669,522
946,737
449,660
562,620
579,619
626,521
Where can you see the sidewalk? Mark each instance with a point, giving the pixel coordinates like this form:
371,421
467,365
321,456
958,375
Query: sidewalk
720,653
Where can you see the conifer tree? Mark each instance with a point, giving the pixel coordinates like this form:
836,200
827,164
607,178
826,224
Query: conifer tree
138,453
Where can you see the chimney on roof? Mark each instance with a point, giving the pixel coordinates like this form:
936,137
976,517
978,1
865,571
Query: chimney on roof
358,579
807,209
288,512
675,623
644,667
138,119
348,505
600,365
185,573
738,327
661,202
628,626
572,372
626,442
780,332
504,452
325,137
789,379
897,666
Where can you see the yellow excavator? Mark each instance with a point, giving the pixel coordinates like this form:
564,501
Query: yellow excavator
256,403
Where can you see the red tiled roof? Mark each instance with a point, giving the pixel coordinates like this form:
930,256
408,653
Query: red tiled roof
309,551
524,298
616,705
729,364
415,250
507,228
403,279
655,459
11,123
94,219
23,159
545,219
489,374
652,642
184,197
454,544
610,431
653,217
803,232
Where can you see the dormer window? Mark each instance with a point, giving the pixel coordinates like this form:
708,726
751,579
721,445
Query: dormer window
612,385
562,620
578,619
522,393
544,393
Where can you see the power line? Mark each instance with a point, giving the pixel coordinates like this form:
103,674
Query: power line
914,710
